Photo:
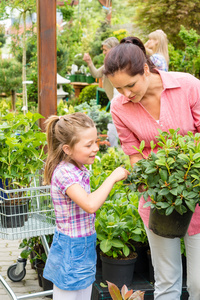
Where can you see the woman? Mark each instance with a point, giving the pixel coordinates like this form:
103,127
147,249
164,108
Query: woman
157,48
98,73
152,99
108,87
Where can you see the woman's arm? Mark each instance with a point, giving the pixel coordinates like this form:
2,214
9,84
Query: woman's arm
92,202
96,73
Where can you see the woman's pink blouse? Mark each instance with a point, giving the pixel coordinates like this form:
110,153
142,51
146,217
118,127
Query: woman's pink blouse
180,108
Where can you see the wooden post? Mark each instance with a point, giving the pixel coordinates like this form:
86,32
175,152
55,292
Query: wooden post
47,58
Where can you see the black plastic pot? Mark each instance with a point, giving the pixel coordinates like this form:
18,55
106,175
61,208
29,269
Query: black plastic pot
47,285
39,267
141,264
118,271
151,270
13,216
174,225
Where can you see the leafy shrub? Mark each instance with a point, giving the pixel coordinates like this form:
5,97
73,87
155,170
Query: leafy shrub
112,159
88,93
100,117
64,109
120,34
187,60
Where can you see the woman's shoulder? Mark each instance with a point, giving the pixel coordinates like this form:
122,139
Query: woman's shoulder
183,77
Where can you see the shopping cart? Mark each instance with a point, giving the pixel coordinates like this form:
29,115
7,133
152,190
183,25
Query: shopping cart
25,213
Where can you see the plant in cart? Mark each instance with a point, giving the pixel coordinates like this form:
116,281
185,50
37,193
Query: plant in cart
169,180
21,157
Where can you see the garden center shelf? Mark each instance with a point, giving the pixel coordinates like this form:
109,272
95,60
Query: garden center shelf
140,282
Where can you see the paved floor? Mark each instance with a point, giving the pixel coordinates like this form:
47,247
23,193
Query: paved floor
9,252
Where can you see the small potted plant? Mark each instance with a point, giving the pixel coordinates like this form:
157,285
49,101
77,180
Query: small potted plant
125,294
35,250
170,181
117,226
21,157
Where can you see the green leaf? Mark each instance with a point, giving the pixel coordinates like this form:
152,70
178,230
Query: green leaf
163,174
164,191
142,145
163,204
105,245
117,243
126,250
174,191
191,205
184,157
169,210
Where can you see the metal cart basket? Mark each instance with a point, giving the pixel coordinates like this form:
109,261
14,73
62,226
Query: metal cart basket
25,213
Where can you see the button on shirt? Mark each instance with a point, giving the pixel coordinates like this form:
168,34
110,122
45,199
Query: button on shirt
179,108
70,218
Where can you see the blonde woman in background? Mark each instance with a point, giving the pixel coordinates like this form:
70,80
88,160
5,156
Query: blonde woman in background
157,48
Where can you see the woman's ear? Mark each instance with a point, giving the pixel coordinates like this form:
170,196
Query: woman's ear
67,149
146,70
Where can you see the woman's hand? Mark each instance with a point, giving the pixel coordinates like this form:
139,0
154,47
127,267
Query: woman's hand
142,188
87,58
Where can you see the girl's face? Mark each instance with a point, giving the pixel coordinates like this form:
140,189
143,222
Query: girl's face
132,87
85,150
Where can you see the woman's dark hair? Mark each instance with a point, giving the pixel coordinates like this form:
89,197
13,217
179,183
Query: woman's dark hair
129,56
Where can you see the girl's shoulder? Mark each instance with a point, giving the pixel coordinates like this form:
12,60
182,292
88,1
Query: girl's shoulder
69,169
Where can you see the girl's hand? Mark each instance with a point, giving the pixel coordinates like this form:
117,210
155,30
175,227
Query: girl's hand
120,174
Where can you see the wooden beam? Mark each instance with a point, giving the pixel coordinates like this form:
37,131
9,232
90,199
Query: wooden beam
47,58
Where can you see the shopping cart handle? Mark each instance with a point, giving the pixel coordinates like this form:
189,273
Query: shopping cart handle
28,296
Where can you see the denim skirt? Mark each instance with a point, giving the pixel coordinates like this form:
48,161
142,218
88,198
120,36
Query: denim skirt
71,263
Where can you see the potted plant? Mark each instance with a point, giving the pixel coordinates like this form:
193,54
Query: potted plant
125,294
170,180
89,78
116,226
35,250
21,157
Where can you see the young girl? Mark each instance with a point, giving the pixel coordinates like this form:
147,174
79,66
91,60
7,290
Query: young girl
71,263
157,48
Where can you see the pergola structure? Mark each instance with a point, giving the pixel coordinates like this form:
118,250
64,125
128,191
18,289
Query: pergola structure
47,56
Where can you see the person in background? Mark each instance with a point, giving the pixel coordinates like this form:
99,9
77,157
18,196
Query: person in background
71,263
152,99
108,87
98,73
157,48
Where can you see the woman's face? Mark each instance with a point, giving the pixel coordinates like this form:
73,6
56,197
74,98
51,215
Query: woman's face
105,49
132,87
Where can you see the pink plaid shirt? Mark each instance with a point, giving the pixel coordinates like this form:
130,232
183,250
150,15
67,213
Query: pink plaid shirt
70,218
180,108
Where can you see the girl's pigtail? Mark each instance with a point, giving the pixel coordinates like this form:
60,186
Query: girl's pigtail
53,146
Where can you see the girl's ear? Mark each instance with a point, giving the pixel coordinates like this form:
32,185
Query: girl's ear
67,149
